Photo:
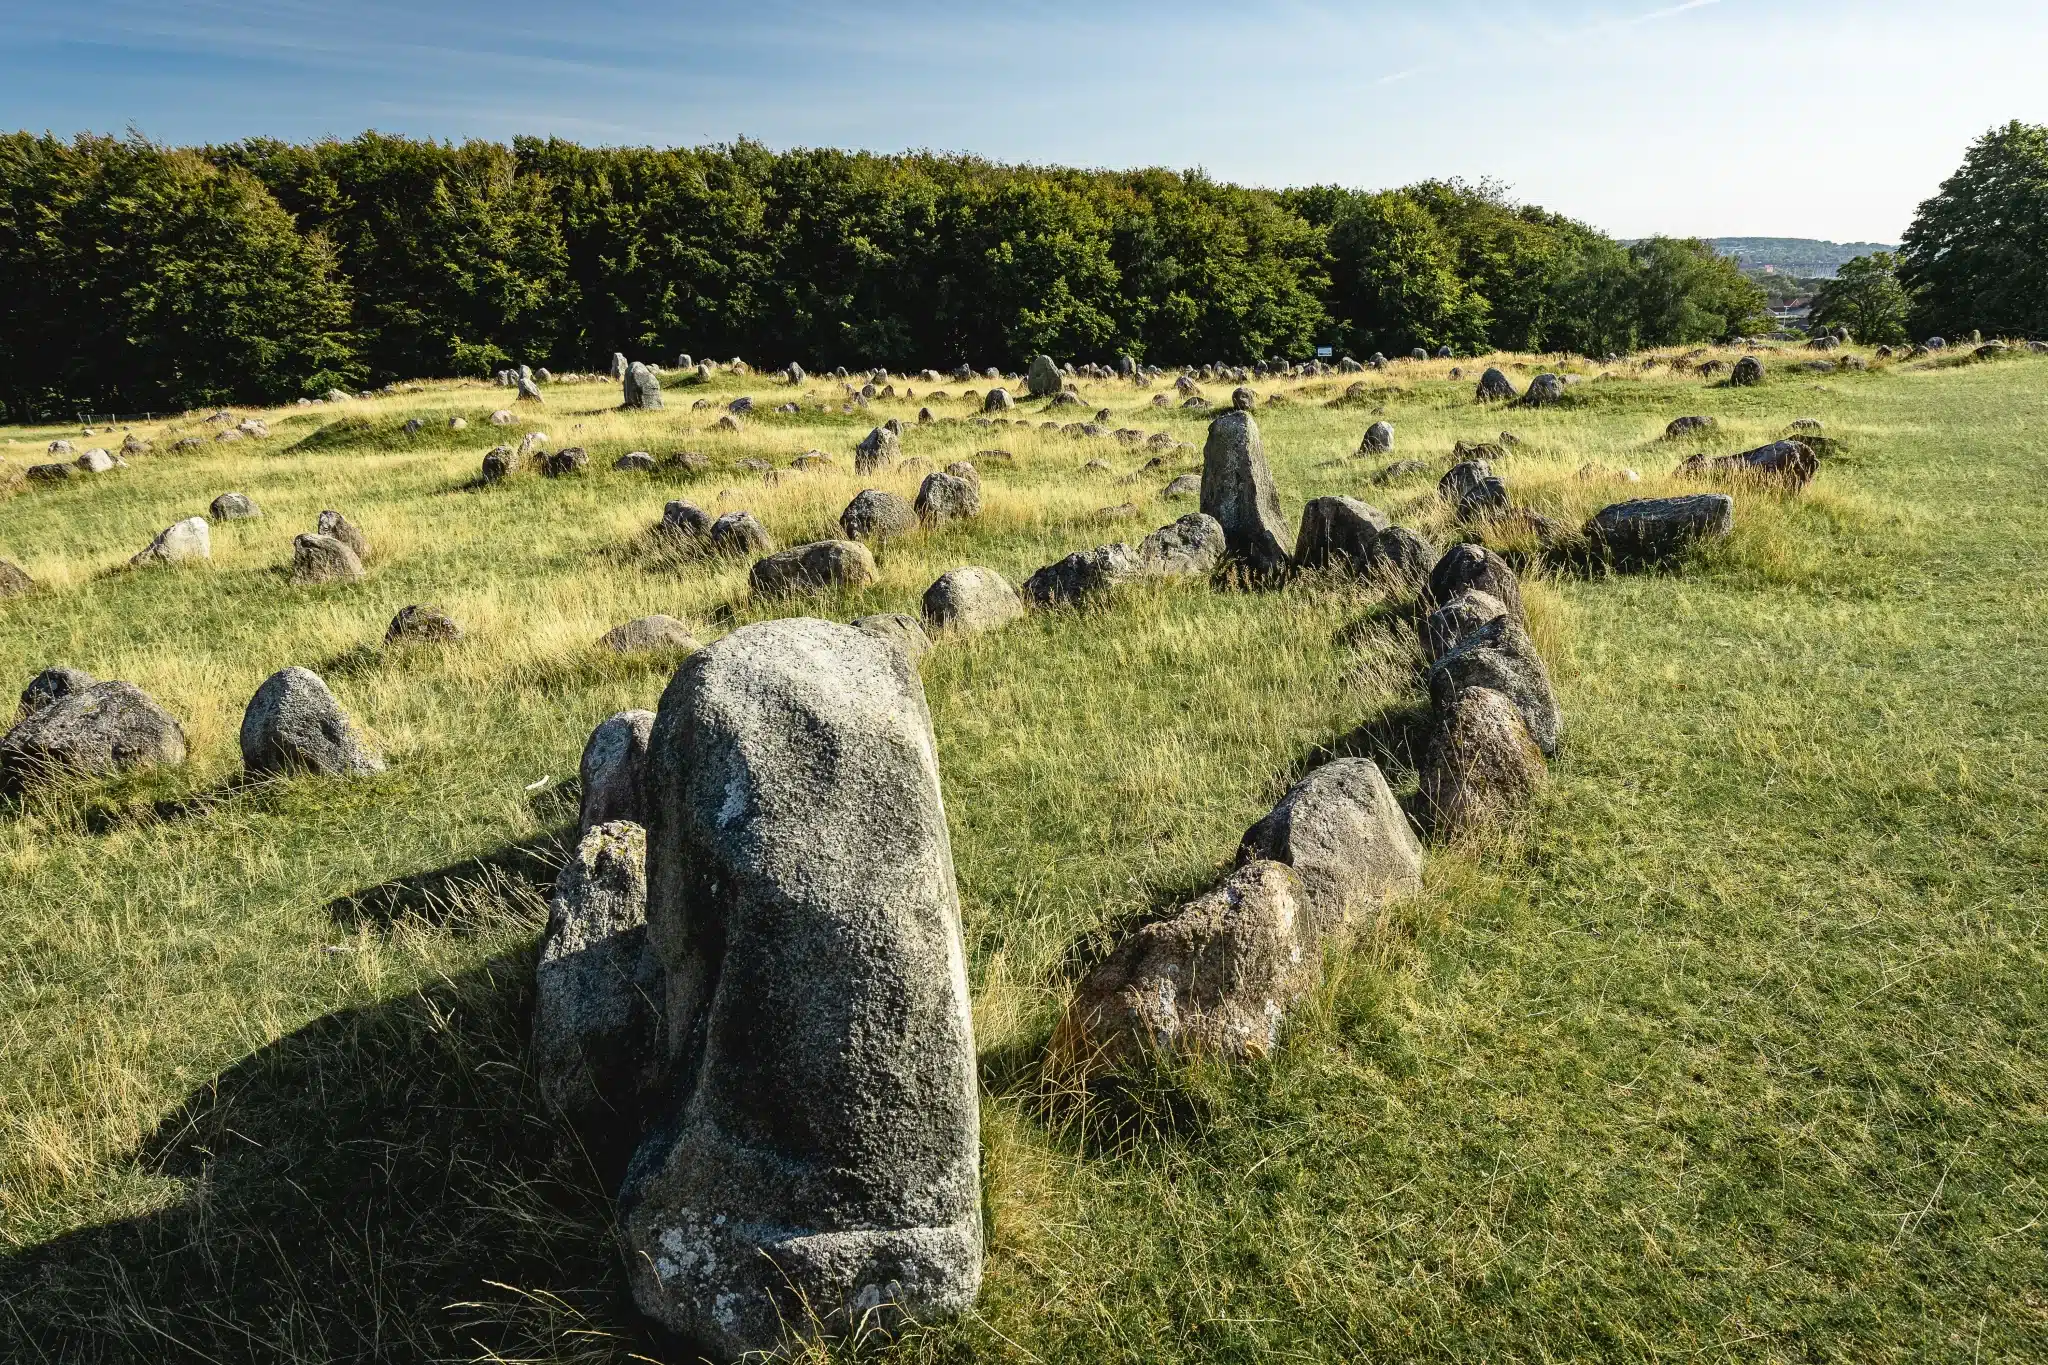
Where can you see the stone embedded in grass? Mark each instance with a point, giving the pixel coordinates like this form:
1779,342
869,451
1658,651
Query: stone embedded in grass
58,447
1655,530
599,994
1451,622
565,462
642,388
998,400
644,634
1685,426
737,533
1243,399
294,724
1479,766
1182,488
184,540
948,496
422,625
1544,390
1378,439
1474,566
634,462
92,731
1398,470
14,580
819,566
503,418
1044,380
1237,490
95,461
1217,976
1083,575
727,422
529,392
619,367
1463,480
823,1170
1500,657
1338,533
1189,547
324,559
1790,463
333,523
1346,838
498,463
895,628
458,423
879,449
1494,387
52,685
877,514
611,770
970,600
233,507
1748,371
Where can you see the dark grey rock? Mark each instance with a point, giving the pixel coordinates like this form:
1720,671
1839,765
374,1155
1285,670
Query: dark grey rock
323,559
879,449
1495,387
565,462
877,514
1465,567
634,462
998,400
105,728
612,769
233,507
1044,380
1686,426
1378,439
1544,390
418,624
1748,371
1479,766
1346,838
1082,575
497,463
1500,656
1398,470
684,523
1338,533
1401,561
970,600
1464,480
1237,490
821,1166
1790,463
820,566
52,685
1243,399
294,724
1656,530
1457,618
51,473
738,533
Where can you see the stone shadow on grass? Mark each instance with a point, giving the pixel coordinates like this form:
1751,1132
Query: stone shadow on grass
379,1185
464,893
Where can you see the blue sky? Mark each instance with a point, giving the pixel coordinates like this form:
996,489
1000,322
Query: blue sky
1716,117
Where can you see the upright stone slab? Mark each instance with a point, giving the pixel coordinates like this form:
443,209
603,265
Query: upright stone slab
53,685
1237,490
1500,657
612,768
970,600
1748,372
877,514
1338,533
1044,380
1479,767
643,387
879,449
821,1164
187,539
294,724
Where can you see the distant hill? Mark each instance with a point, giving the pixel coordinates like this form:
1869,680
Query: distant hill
1805,257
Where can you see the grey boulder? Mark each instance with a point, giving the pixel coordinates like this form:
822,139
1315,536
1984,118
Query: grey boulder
1338,533
1443,627
92,731
187,539
1544,390
233,507
1378,439
946,496
294,724
1479,766
333,523
1044,379
877,514
645,634
738,533
1656,530
1464,567
1748,372
1500,657
1189,547
1237,490
418,624
819,566
642,387
1494,387
970,600
323,559
612,768
1082,575
879,449
1346,838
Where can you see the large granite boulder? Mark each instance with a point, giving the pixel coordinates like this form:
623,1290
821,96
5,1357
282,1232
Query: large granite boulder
1464,567
90,732
946,496
1346,838
1500,657
611,769
1338,533
1082,575
877,514
1237,490
1479,766
599,994
817,1168
1044,380
1657,530
294,724
819,566
1189,547
1217,976
643,387
970,600
187,539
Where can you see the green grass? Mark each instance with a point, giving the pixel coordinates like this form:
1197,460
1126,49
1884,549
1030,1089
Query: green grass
1738,1050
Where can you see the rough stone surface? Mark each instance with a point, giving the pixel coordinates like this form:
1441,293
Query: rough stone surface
970,600
895,628
998,400
1463,480
187,539
738,533
634,462
645,633
1544,390
1401,560
1479,766
1237,490
105,728
817,567
1190,547
599,992
877,514
1044,380
1338,533
333,523
323,559
1790,463
879,449
233,507
14,580
50,685
1474,566
824,1147
1501,657
683,522
1082,575
1654,530
1346,838
294,724
1685,426
1378,439
1217,976
95,461
419,624
1185,486
1748,371
612,769
1443,627
945,497
1495,387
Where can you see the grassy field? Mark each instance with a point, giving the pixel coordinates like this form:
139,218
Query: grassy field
1739,1050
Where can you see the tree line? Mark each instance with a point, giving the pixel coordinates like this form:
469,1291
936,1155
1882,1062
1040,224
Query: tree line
142,276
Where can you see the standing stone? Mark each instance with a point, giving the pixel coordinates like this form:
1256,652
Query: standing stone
14,580
877,514
1656,530
599,994
1044,380
619,367
683,522
233,507
1190,547
1338,533
1400,561
1346,838
323,559
188,539
1243,399
1544,390
821,1168
90,732
529,392
879,449
1237,490
612,769
817,567
1378,439
293,723
945,497
1479,767
970,600
643,388
333,523
795,374
1500,657
1217,976
1748,372
1495,387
